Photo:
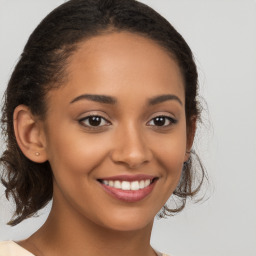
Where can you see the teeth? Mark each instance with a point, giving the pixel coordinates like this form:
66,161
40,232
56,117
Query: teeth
135,185
127,185
142,184
105,182
147,182
117,184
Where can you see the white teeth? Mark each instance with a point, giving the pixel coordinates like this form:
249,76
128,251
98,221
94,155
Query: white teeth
127,185
142,184
105,182
147,182
117,184
135,185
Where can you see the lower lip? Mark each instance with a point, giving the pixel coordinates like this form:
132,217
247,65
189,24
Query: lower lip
129,195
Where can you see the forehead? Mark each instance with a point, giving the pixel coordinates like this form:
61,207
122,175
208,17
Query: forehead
122,63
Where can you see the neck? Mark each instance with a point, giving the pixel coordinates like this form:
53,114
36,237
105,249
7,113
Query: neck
66,232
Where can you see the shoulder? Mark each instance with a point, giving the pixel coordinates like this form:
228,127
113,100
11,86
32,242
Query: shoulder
161,254
10,248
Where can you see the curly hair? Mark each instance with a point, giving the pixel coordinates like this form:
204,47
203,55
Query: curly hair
41,68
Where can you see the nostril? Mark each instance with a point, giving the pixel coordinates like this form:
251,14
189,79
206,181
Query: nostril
133,153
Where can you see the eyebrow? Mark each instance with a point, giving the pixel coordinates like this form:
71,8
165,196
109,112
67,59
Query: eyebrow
96,97
163,98
112,100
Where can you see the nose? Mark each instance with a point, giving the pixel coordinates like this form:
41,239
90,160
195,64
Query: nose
130,148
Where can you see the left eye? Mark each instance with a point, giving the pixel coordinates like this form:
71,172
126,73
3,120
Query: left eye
162,121
94,121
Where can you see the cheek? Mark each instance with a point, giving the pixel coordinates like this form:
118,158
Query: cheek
170,153
173,154
171,148
73,162
73,154
78,156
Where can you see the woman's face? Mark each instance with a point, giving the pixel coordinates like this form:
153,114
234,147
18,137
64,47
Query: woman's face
116,131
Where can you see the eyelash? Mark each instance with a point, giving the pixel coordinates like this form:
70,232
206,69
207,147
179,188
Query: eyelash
90,126
168,118
99,118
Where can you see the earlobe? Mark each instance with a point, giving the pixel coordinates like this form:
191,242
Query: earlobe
29,135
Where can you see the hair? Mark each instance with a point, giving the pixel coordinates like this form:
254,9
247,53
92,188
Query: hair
42,67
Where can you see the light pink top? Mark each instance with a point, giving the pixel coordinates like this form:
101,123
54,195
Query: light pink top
10,248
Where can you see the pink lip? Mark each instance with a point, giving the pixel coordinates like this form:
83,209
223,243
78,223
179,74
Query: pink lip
129,195
130,177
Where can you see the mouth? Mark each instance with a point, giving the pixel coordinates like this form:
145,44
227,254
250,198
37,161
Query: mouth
129,188
128,185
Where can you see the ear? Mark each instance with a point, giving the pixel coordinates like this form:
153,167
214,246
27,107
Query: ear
29,134
191,131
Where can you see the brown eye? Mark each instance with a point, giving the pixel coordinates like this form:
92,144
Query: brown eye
159,121
162,121
94,121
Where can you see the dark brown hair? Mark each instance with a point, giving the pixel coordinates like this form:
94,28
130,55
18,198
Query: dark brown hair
41,68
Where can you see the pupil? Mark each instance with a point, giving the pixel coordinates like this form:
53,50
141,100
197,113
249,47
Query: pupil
159,121
94,120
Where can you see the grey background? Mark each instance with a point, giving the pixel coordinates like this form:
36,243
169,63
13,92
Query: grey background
222,35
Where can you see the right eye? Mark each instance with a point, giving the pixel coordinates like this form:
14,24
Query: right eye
94,121
162,121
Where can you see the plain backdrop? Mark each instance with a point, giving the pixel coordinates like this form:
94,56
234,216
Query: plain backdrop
222,35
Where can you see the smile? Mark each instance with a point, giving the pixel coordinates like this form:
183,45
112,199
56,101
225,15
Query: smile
126,185
129,188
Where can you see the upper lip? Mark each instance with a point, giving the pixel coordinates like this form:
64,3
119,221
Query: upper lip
137,177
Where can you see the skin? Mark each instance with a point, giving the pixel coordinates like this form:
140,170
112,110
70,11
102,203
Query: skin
85,220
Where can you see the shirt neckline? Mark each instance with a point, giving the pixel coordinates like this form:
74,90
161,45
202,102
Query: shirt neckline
30,254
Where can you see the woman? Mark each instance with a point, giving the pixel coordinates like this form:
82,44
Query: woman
100,115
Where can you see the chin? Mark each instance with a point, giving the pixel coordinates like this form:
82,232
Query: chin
127,226
129,221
